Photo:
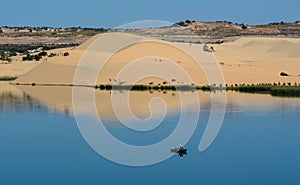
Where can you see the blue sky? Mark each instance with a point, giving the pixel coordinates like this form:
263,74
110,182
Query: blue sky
112,13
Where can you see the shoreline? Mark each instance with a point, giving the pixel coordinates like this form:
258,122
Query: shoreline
244,62
282,90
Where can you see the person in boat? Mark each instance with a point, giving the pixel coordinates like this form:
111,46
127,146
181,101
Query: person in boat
181,151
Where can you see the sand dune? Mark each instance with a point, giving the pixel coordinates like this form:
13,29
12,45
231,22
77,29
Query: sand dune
16,68
247,60
258,49
259,60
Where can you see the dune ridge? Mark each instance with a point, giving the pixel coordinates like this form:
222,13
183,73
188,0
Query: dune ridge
247,60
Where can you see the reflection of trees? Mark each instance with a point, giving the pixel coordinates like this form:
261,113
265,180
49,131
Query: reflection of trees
10,102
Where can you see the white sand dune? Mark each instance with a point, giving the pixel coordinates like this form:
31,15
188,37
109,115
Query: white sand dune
246,60
260,60
258,49
15,69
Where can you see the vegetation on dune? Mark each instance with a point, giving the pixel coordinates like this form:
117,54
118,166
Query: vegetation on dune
8,78
8,51
68,37
49,31
22,48
36,57
6,55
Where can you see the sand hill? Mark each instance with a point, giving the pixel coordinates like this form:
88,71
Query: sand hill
246,60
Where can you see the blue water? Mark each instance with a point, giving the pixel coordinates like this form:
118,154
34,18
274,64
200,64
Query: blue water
39,146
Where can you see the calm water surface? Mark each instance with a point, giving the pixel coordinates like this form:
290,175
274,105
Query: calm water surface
258,144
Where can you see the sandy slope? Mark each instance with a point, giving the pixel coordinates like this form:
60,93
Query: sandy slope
16,68
247,60
258,60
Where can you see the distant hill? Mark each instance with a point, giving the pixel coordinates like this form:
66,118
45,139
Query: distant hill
225,29
217,32
49,31
15,40
184,31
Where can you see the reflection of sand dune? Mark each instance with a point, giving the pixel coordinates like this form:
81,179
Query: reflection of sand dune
56,98
247,60
242,102
60,99
15,100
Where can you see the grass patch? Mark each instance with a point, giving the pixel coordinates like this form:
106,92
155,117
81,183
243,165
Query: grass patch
8,78
141,87
284,90
272,89
288,91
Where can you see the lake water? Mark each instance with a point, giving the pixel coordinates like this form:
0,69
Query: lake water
259,143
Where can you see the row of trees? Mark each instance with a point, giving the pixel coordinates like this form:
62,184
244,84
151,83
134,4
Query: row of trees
6,55
36,57
45,28
282,23
185,23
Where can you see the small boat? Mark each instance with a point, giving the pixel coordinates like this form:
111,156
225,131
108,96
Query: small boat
181,151
176,150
